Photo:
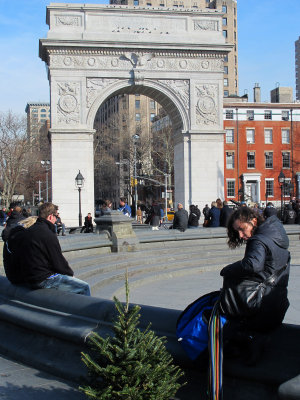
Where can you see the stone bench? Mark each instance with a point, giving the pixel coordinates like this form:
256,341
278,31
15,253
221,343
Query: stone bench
48,330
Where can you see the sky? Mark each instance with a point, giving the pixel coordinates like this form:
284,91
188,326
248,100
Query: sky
267,31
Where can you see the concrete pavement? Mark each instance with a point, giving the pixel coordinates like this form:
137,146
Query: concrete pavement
19,382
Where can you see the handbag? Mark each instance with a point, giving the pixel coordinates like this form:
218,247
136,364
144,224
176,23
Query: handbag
192,324
242,298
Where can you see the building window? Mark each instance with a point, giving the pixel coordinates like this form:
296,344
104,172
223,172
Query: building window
229,135
285,115
152,104
269,159
250,133
226,58
225,69
269,187
137,103
229,160
137,116
43,110
136,2
285,159
268,136
250,115
285,136
230,188
152,116
286,187
225,81
224,21
224,9
268,114
226,93
225,34
250,159
229,114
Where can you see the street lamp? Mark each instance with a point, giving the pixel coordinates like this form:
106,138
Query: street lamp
135,138
46,164
281,180
79,181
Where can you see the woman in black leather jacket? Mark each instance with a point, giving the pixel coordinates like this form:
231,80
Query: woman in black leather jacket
266,252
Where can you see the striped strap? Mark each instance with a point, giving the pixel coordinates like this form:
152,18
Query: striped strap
215,350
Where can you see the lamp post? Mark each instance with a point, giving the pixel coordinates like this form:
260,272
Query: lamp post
135,140
79,181
281,180
46,164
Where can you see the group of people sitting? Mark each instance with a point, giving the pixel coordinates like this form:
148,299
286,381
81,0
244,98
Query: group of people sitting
32,254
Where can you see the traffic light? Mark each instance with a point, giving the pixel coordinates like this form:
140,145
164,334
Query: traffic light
133,181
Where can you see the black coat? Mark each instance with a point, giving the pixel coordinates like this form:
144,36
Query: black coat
155,215
289,215
193,218
11,222
12,254
180,220
36,254
269,211
266,252
226,211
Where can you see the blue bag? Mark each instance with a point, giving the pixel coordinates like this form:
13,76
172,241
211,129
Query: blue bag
192,328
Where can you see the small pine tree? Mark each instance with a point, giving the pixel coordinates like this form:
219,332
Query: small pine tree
131,365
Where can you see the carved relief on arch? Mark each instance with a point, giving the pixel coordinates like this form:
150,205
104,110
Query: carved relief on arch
206,25
95,86
207,110
68,102
68,20
180,88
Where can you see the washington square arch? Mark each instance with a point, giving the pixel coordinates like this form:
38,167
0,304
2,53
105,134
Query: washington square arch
174,56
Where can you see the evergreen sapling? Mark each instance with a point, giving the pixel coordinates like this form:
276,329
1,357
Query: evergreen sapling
132,364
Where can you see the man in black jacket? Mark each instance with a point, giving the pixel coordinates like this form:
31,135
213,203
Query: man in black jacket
181,218
41,262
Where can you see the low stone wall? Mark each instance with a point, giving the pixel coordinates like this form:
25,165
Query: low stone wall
48,330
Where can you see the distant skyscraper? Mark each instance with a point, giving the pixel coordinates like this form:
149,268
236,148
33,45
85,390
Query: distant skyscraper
38,125
297,68
229,29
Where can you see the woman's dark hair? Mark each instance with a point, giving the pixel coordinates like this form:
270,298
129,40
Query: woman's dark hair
244,214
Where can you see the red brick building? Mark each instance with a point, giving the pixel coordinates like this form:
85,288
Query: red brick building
261,140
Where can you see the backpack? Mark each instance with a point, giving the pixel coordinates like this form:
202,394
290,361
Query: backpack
192,324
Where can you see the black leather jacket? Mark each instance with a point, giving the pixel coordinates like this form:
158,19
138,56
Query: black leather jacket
266,252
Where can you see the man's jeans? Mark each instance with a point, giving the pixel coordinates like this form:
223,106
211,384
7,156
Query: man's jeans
66,283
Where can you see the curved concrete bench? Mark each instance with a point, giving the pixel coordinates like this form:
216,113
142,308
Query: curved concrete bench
48,329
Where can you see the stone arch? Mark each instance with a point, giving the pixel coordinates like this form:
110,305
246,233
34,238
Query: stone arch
172,95
174,56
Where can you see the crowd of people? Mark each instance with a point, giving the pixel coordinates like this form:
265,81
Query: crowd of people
219,212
